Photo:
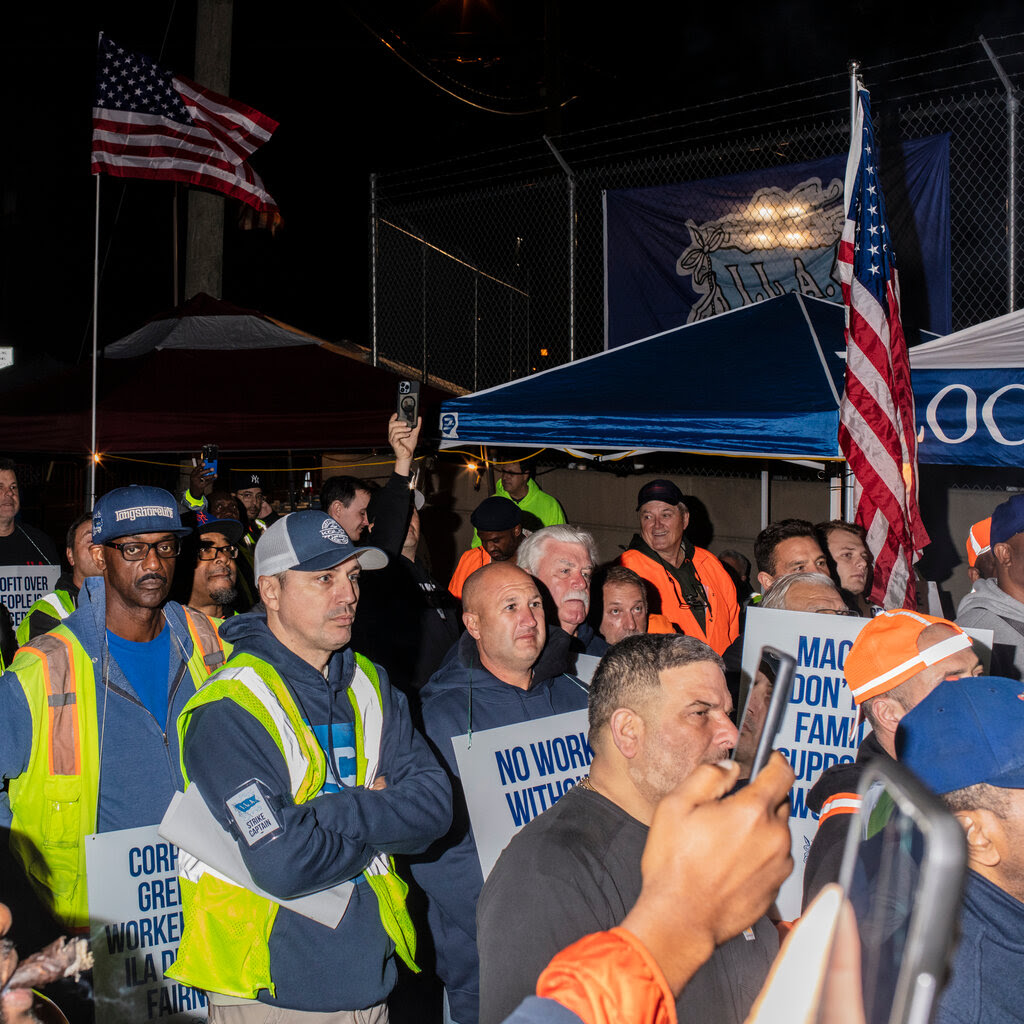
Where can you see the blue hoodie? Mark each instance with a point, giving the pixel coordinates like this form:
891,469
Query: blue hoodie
139,764
462,696
332,837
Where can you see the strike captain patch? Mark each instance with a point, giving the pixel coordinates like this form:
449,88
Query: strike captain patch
253,816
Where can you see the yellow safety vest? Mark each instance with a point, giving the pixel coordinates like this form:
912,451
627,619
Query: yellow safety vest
225,945
58,605
53,802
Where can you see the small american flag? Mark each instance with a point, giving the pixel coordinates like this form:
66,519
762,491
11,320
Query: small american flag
876,416
149,123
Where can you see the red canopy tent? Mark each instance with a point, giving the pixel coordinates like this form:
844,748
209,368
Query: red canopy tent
208,372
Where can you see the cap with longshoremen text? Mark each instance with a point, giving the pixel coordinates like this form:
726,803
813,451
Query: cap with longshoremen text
136,509
885,652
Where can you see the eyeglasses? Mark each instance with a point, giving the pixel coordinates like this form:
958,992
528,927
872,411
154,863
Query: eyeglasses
208,552
836,611
137,550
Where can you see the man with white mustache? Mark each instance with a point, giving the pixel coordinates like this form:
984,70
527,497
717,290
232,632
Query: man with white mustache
562,560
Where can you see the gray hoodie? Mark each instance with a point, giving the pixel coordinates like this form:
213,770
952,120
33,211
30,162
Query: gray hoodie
988,607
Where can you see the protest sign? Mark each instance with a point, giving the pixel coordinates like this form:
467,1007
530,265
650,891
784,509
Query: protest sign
819,727
136,923
513,773
22,585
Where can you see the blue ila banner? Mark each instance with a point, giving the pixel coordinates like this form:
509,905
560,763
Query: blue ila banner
680,253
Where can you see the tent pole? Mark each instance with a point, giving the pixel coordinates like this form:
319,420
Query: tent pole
835,495
373,266
95,315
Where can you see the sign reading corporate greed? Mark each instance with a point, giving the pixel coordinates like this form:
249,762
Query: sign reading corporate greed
513,773
22,585
135,923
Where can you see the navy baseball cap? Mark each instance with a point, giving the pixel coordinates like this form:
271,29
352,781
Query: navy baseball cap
1008,519
127,511
659,490
245,479
964,732
203,522
495,514
310,541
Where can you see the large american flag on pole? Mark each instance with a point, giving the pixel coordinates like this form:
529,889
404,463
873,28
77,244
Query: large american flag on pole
149,123
876,416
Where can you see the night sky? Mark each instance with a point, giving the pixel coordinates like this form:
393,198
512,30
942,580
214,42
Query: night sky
349,106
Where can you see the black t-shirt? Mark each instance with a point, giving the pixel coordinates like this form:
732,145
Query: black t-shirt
575,870
27,546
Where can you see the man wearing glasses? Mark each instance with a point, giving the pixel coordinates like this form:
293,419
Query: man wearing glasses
87,712
213,553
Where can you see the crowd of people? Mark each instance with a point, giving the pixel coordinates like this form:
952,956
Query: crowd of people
308,673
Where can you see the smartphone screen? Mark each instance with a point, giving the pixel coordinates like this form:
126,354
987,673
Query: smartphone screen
767,697
903,872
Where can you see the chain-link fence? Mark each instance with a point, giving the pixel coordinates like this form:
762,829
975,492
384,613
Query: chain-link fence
489,268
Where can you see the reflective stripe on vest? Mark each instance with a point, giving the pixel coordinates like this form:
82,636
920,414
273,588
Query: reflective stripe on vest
54,801
238,963
59,678
205,639
57,605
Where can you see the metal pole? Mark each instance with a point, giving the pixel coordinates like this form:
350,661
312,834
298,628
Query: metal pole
846,475
476,329
373,264
423,306
1011,174
835,495
572,245
95,317
174,243
765,478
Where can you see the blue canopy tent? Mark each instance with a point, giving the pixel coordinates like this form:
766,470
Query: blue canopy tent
969,392
760,381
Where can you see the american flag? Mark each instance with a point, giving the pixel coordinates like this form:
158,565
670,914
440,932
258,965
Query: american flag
149,123
876,416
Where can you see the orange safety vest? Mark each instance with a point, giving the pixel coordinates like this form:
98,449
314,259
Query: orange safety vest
721,618
471,560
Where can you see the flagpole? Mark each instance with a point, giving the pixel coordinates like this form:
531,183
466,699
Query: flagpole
95,314
174,242
849,484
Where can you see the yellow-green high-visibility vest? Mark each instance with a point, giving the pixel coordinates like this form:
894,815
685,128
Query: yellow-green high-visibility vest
225,945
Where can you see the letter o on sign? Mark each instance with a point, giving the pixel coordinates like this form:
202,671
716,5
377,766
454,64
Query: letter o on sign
970,413
989,417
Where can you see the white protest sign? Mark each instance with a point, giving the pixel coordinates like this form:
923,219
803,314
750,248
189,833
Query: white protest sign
135,927
22,585
513,773
819,727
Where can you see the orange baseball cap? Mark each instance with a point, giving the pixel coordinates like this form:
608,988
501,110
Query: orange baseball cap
885,653
979,540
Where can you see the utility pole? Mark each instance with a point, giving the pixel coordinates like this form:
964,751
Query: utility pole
204,253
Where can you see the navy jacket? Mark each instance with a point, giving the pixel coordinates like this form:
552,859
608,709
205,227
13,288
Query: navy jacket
462,696
330,838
